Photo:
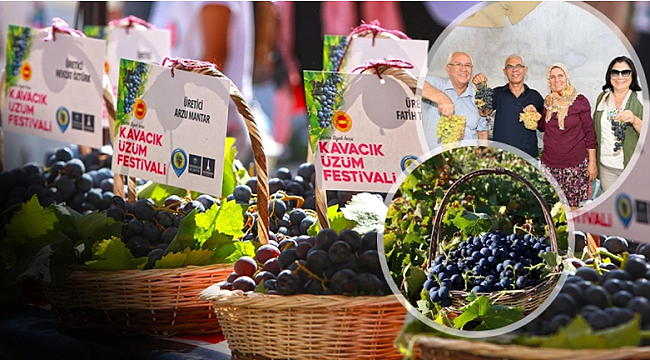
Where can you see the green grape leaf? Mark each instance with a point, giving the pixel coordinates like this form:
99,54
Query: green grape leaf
94,227
229,176
471,223
232,251
30,222
9,258
50,263
185,236
313,229
552,260
112,254
578,334
337,220
230,219
491,316
198,257
171,261
414,281
261,289
368,211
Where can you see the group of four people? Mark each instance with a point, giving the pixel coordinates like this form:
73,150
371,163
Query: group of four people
578,147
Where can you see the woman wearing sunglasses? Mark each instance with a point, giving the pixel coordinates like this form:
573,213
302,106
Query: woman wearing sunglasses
569,153
617,104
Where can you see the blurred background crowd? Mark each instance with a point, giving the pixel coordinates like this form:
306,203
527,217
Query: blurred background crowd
264,46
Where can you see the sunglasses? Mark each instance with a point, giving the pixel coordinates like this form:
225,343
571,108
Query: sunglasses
617,73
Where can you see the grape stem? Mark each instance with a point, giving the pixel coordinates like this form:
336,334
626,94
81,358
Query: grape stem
602,251
517,227
10,208
310,273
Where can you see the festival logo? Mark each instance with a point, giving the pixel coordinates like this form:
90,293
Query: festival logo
140,109
63,118
624,209
26,71
179,161
409,163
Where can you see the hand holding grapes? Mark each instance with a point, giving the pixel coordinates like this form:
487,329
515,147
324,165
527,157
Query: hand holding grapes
530,108
479,78
626,116
446,106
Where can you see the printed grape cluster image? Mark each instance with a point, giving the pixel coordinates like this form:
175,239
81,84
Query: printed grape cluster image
325,94
131,83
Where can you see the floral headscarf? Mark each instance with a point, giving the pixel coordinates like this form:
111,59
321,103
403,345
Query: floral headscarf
556,103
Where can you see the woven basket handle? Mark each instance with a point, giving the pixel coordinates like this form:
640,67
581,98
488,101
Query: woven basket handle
496,171
256,143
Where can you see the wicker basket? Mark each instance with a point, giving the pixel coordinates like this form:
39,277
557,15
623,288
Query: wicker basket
261,327
160,302
436,348
531,298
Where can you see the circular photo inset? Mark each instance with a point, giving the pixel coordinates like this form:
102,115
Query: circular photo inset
509,73
475,239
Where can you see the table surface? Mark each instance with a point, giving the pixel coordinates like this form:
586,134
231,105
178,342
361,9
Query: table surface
29,332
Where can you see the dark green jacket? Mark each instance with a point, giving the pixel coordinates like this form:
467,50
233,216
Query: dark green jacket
631,136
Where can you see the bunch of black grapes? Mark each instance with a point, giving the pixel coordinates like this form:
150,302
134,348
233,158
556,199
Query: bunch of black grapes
328,264
604,300
483,97
492,262
65,180
618,127
325,93
147,230
132,82
336,53
18,48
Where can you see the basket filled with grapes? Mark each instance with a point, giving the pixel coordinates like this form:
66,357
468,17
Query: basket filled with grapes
451,129
601,312
136,266
320,296
511,270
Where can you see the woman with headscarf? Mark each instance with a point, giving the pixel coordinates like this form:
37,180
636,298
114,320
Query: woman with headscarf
617,104
569,153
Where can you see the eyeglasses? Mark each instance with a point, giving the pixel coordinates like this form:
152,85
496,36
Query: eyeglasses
617,73
518,67
466,66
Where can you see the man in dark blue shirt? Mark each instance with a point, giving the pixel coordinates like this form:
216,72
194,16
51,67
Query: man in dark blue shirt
509,101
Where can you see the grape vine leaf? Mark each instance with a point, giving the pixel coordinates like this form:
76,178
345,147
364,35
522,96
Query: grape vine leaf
112,254
230,178
313,229
261,289
492,316
552,260
367,210
198,228
30,222
414,279
337,220
471,223
171,261
578,334
231,251
94,227
50,263
198,257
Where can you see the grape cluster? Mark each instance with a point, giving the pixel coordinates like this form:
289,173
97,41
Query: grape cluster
530,119
287,192
337,52
483,97
604,300
66,179
147,230
328,264
452,129
491,262
132,82
18,48
325,93
618,128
